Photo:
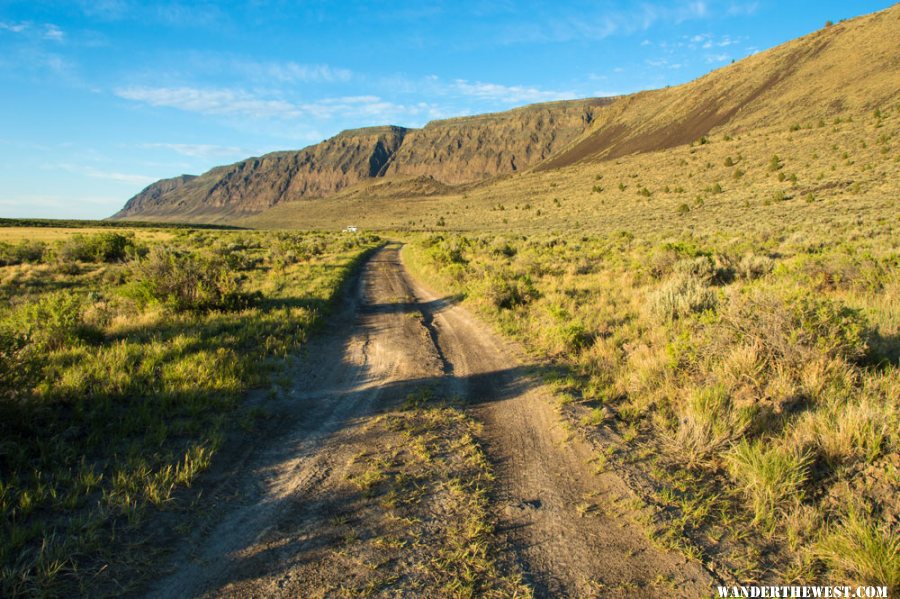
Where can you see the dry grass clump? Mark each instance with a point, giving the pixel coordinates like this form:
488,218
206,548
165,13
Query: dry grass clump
752,266
770,476
843,430
681,296
707,423
863,549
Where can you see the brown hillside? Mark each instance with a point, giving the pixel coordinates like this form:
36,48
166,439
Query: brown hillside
849,67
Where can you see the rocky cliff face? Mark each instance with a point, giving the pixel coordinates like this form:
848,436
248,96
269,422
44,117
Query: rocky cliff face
470,149
461,150
252,185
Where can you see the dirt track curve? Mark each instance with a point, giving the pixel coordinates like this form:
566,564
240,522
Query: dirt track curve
556,520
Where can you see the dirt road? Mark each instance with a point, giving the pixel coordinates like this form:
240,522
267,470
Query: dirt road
303,518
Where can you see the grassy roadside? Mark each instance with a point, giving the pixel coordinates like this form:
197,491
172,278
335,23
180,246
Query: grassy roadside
746,384
124,359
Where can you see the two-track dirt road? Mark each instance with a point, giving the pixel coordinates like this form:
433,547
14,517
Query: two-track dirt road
556,523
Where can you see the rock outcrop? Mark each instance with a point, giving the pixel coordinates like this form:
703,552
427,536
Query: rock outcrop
453,151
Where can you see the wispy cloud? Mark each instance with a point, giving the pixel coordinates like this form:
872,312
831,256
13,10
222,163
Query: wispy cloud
241,103
292,72
94,173
717,58
13,27
123,177
742,9
105,9
199,150
565,26
176,14
662,63
507,94
45,31
53,32
708,41
210,101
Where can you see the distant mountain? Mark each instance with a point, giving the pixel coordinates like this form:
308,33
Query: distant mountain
461,150
846,68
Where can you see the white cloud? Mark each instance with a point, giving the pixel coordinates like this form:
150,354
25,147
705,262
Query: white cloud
507,94
13,27
708,41
742,9
239,103
565,26
188,15
123,177
291,72
199,150
210,101
54,33
105,9
715,58
94,173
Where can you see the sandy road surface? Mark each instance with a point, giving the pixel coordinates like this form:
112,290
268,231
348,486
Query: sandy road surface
556,521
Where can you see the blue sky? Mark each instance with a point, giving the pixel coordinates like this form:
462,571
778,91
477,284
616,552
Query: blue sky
102,97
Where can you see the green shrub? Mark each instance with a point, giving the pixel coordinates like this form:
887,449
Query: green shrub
504,292
843,431
501,247
184,281
799,327
701,267
99,247
52,322
445,252
23,252
19,365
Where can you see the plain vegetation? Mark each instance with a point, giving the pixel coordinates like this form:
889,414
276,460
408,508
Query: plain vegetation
125,358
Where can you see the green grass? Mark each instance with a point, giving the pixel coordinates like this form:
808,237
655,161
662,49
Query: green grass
123,363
